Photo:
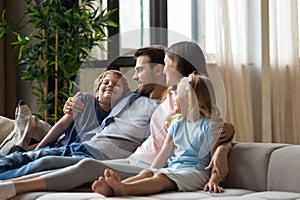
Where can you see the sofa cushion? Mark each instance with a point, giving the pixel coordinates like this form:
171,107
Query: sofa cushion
274,195
284,166
248,165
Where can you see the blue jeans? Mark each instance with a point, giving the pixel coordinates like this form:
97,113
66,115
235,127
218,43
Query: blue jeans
41,165
18,159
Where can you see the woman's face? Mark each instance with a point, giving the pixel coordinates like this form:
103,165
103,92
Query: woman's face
110,90
172,75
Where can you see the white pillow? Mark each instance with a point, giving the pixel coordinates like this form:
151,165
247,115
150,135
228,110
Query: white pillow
6,126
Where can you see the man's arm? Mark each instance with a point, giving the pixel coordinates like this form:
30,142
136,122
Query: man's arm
73,106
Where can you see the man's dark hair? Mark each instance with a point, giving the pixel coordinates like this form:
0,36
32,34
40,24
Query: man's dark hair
156,53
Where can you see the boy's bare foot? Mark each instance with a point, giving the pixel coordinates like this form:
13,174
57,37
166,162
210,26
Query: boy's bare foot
100,186
114,181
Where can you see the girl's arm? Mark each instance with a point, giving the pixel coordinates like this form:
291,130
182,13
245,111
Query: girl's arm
57,130
160,160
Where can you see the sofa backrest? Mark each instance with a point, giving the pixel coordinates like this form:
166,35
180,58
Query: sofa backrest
284,168
249,166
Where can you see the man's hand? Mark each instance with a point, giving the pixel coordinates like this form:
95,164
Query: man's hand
73,106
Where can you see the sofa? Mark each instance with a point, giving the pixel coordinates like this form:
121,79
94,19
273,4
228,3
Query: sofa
257,171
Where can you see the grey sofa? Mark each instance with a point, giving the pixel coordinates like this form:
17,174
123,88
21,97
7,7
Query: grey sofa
257,171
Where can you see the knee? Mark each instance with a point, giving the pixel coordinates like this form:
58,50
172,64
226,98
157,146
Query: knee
146,173
88,164
159,175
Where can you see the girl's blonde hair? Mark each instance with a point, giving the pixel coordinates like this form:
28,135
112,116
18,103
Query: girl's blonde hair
197,90
98,81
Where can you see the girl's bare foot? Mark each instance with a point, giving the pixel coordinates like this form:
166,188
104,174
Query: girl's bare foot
114,181
112,174
100,186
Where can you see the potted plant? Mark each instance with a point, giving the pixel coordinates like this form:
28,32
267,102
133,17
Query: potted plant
63,34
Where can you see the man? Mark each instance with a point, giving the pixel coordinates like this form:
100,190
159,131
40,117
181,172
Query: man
119,135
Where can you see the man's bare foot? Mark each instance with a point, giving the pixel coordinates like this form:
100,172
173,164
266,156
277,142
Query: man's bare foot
100,186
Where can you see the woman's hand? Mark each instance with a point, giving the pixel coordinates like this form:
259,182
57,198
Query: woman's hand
219,160
213,184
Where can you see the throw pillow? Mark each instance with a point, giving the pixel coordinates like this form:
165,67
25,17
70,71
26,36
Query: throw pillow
28,131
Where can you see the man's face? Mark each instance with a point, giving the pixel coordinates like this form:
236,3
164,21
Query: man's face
144,75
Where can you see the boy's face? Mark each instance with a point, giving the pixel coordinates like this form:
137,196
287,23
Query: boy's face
111,89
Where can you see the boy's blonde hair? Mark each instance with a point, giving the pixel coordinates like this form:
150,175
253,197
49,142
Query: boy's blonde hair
98,81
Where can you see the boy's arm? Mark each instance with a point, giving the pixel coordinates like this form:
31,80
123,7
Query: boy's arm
57,130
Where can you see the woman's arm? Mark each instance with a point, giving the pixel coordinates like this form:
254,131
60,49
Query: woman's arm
221,148
213,184
219,160
57,130
160,160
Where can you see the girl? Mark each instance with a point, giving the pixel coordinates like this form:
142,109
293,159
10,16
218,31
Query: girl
188,146
109,88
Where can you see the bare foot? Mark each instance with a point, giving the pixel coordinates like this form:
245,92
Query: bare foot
100,186
114,181
112,174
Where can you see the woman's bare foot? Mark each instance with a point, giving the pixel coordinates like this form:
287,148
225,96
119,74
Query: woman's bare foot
100,186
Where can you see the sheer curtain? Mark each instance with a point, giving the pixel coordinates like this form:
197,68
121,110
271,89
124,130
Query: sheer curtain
284,61
232,59
279,77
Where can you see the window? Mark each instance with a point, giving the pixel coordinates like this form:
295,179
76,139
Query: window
134,23
184,20
192,20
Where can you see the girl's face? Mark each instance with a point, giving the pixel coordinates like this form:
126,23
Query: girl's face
172,75
111,89
181,106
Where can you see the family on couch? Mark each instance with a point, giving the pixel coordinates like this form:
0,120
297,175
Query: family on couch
106,146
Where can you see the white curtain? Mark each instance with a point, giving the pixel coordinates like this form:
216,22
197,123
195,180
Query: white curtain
284,61
281,74
232,59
